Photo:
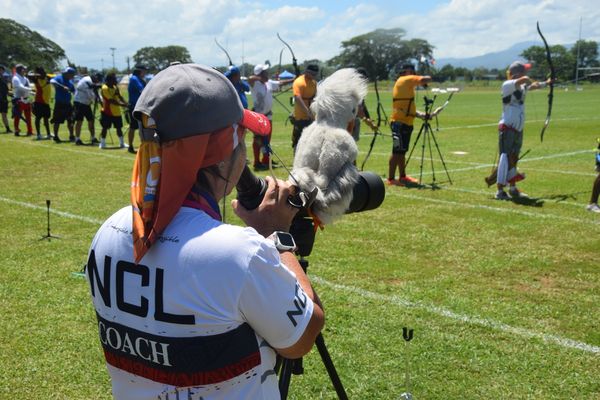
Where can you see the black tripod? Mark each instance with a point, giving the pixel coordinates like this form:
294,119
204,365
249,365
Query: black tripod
428,135
286,367
48,235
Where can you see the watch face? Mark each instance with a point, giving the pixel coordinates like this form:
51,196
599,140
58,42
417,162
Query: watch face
286,239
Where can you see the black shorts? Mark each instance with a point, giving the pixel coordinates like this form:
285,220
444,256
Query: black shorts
41,110
299,126
3,107
62,112
106,121
133,123
82,111
401,137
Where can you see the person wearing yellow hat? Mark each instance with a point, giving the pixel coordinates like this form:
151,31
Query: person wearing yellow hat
187,305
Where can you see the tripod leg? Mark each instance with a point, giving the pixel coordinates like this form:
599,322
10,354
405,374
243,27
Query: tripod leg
48,217
414,145
285,377
335,379
431,154
423,128
441,158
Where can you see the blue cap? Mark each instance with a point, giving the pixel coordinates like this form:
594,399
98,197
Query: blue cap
69,70
232,71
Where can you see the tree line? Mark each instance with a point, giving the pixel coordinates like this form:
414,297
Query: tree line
381,52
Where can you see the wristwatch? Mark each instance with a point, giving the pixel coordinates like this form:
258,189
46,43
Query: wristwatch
284,241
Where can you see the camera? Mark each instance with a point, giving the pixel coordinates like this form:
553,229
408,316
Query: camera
367,194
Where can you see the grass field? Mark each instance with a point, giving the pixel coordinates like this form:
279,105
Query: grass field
504,298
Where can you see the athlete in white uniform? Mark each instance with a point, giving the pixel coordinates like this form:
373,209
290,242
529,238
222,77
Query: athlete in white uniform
189,307
262,89
510,129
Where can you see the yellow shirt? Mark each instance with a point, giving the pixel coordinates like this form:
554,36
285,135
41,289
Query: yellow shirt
403,105
43,90
110,93
307,90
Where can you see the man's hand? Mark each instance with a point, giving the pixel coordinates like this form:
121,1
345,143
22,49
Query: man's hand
421,115
274,213
370,123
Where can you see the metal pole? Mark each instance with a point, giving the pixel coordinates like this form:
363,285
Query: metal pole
578,49
243,61
112,49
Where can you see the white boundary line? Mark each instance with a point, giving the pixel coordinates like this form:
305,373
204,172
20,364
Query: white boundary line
557,171
66,147
496,209
488,323
52,211
558,155
444,312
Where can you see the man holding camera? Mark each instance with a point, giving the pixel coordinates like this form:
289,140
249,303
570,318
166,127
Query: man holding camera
187,305
305,90
404,112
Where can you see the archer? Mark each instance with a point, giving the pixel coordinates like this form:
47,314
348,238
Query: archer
510,130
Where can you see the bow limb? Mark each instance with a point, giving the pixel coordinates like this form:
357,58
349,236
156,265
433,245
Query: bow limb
441,108
224,51
279,67
552,78
294,60
376,132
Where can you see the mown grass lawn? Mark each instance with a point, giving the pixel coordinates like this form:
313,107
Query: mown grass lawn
503,297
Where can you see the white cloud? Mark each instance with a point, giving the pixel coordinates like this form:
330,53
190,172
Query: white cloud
457,28
464,28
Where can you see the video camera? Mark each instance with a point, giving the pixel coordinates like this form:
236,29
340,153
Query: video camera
367,194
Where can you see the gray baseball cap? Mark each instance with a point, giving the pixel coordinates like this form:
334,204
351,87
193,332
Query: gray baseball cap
190,99
517,67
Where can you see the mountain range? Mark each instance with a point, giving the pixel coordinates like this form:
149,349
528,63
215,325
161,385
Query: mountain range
499,59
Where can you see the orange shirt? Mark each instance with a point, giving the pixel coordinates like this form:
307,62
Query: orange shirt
307,89
403,104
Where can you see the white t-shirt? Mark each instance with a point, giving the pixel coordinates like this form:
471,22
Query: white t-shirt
262,96
84,91
21,88
195,318
513,105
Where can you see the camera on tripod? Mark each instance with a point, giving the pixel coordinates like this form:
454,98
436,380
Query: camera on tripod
367,194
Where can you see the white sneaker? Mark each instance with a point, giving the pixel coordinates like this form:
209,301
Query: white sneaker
102,145
502,195
593,207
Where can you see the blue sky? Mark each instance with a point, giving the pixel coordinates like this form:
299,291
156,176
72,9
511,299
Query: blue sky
457,28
